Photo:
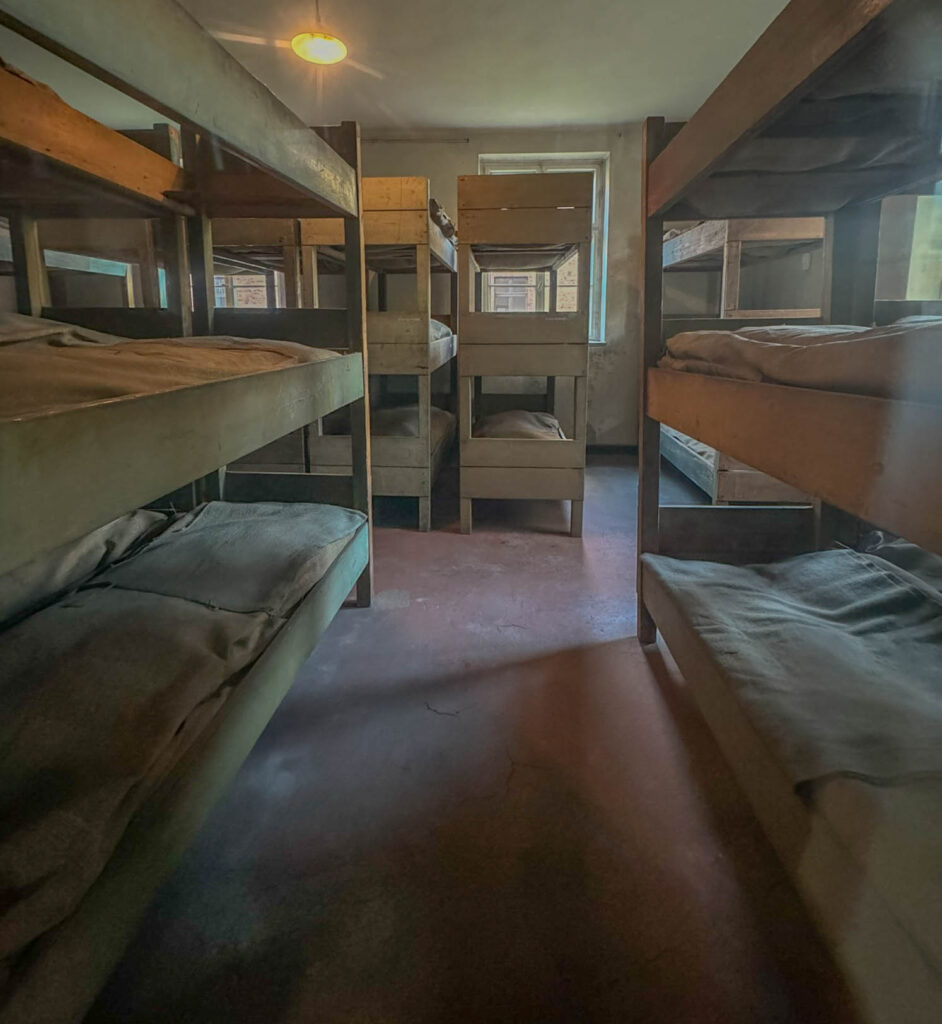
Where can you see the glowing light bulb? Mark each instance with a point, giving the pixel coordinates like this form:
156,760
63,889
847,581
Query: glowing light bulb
319,48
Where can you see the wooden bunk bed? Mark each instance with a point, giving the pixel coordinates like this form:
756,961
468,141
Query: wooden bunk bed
535,222
80,450
406,233
827,84
719,246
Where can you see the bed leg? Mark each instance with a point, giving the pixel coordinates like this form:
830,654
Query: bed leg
647,630
575,518
465,515
425,514
365,588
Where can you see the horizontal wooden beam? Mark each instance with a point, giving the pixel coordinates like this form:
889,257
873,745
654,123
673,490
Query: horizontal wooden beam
524,191
779,65
534,483
736,533
155,51
526,227
34,119
872,457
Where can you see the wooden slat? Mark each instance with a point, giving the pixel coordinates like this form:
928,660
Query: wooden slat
525,226
402,193
526,453
707,237
696,467
522,360
525,328
774,315
502,482
872,457
126,323
736,533
160,441
329,489
783,61
319,328
523,191
156,52
249,231
775,229
35,119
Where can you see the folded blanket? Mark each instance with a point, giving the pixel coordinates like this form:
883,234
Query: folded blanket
518,423
901,360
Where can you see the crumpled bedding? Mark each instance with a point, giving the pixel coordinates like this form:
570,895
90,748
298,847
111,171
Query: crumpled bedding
519,423
403,421
46,366
900,360
110,685
835,656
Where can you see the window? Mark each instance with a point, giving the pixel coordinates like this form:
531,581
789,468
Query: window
507,292
246,290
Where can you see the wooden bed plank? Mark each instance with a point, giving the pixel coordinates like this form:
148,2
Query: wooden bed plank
249,231
736,533
522,483
522,360
710,236
525,227
319,328
696,467
524,328
241,113
35,119
71,963
524,192
779,65
523,452
138,322
868,456
160,442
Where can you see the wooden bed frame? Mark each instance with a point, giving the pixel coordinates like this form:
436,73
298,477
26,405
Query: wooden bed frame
396,213
863,456
66,473
718,245
401,238
522,210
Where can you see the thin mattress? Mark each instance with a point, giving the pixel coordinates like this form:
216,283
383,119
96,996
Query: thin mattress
520,424
901,360
110,683
836,659
403,421
48,367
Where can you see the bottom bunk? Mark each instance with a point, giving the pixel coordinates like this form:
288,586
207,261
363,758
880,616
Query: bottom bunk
820,677
518,453
725,480
141,663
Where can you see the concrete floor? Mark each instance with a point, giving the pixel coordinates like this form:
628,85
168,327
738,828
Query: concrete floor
482,802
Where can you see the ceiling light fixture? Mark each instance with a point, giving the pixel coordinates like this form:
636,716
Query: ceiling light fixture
319,47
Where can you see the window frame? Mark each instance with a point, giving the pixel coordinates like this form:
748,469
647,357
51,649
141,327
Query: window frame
599,164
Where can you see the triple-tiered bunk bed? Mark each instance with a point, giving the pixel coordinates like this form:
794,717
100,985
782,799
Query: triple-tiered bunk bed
812,639
730,250
142,653
407,234
532,224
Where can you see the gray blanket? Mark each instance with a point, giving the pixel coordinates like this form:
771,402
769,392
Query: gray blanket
835,656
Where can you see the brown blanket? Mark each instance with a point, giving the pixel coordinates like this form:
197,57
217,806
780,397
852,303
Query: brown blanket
901,360
47,367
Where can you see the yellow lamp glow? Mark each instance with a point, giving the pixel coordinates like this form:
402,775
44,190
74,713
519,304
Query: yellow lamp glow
319,48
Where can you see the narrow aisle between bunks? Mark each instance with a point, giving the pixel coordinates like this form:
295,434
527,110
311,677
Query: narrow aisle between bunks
476,810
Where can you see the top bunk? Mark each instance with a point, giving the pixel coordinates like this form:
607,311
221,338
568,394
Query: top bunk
524,224
399,214
271,156
836,103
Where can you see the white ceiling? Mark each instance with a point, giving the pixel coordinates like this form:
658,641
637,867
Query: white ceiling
467,63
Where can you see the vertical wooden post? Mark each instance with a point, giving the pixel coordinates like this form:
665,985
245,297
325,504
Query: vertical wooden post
310,295
199,236
31,280
292,270
346,140
729,292
454,305
172,232
382,291
271,292
855,236
580,405
425,433
553,290
147,264
423,279
465,423
649,431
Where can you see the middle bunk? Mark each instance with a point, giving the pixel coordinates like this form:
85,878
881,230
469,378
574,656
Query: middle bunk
522,235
